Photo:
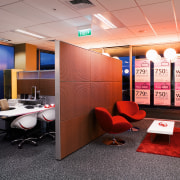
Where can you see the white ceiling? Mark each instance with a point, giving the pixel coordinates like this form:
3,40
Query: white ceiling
138,21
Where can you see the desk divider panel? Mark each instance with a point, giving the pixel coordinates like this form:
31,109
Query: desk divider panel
45,86
87,80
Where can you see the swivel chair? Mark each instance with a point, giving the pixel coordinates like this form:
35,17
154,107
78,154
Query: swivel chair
130,110
112,125
25,122
47,116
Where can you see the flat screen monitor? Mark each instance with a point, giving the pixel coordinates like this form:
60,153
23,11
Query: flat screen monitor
33,92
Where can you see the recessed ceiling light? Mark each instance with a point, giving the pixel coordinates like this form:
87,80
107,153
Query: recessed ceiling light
29,33
142,31
105,21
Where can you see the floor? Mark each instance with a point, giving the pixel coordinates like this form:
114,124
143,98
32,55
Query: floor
94,161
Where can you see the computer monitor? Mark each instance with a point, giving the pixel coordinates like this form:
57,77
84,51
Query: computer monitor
37,94
33,92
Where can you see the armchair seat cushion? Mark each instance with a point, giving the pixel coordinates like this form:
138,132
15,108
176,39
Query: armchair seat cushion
111,124
119,122
130,110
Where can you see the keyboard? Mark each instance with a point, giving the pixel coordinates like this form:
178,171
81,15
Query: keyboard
29,107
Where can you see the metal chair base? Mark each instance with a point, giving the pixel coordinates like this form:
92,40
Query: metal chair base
23,141
134,129
51,134
114,142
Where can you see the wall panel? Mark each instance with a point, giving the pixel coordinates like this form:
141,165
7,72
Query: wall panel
87,80
75,63
101,68
75,99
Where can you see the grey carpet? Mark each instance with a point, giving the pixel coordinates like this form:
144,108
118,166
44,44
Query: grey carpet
94,161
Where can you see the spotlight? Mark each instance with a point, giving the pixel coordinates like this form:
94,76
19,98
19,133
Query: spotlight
115,57
106,54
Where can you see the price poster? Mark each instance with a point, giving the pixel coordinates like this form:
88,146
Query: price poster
177,83
142,81
162,82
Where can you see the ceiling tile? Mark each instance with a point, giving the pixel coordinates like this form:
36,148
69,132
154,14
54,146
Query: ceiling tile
117,4
160,12
54,8
79,21
143,30
165,28
177,6
11,22
148,2
120,33
5,2
54,29
28,12
130,17
44,30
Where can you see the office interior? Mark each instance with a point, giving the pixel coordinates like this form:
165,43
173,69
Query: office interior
78,77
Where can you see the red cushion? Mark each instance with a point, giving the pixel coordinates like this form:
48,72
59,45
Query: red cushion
111,124
127,107
120,124
130,110
104,118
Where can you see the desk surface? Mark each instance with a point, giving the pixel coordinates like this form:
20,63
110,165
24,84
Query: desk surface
20,110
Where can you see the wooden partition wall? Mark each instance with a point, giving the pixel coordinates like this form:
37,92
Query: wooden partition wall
45,86
86,80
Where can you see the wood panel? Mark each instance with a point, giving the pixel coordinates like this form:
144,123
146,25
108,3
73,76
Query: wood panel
101,94
47,87
75,63
75,99
24,86
81,130
101,67
88,79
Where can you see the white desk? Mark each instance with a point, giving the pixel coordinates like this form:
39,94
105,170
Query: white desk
20,110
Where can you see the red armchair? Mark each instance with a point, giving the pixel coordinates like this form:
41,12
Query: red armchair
112,125
130,110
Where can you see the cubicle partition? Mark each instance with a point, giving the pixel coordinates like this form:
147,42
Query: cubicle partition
84,80
43,80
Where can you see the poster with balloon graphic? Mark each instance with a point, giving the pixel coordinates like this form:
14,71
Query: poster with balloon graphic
162,82
142,81
177,83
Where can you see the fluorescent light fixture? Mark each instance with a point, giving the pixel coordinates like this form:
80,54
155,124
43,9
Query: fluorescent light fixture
29,33
105,21
4,40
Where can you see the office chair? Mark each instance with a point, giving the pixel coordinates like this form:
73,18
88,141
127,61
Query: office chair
47,116
130,110
25,122
112,125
